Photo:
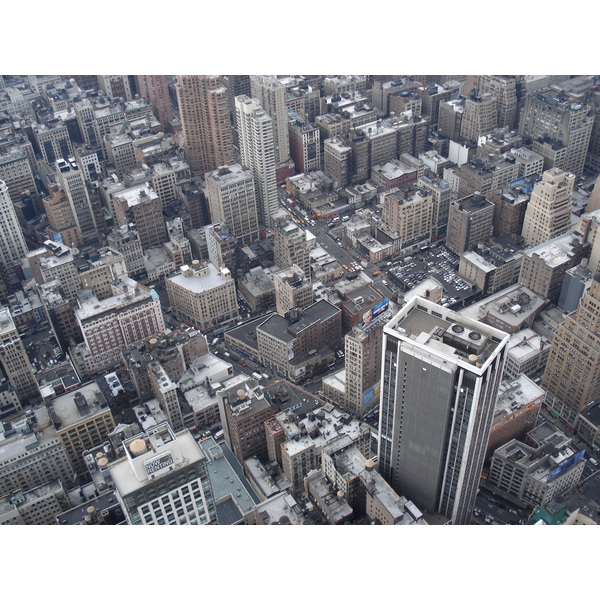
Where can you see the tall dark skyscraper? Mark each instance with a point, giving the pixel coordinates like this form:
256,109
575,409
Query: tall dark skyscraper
439,382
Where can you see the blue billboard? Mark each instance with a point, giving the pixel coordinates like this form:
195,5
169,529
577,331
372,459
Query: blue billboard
566,464
381,307
373,313
371,394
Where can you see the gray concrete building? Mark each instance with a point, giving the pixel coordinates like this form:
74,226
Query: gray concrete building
232,200
293,289
535,474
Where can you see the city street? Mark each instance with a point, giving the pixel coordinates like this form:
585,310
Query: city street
587,493
340,253
497,511
320,229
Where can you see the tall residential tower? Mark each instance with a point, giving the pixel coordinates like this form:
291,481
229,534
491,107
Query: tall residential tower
204,115
232,200
270,93
155,89
255,135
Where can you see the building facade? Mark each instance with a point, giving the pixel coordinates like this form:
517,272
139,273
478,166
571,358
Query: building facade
12,242
548,213
362,353
130,315
470,220
409,213
554,123
155,89
142,206
270,94
83,421
290,246
572,372
534,476
504,89
72,181
293,289
34,456
14,360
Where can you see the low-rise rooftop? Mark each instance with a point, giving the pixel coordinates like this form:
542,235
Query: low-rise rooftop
78,405
131,293
557,251
592,413
77,515
281,509
319,428
202,279
525,344
350,462
233,495
136,194
152,454
514,395
513,306
269,479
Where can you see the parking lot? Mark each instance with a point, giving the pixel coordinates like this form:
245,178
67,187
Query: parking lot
42,350
437,262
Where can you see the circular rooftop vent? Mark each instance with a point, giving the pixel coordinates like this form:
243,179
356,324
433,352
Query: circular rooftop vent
457,328
475,335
